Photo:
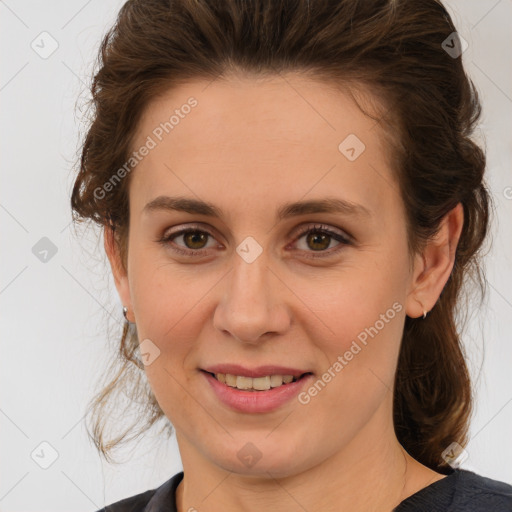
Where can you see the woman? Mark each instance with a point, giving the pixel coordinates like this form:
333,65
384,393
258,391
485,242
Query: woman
291,202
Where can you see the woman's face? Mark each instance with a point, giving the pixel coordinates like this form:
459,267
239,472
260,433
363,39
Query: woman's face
262,289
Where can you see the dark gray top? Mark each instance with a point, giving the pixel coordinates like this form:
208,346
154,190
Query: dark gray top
460,491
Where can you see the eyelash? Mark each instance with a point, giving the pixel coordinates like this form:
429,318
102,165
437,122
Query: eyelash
317,228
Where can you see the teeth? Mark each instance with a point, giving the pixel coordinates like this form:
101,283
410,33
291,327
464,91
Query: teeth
230,380
245,383
256,384
276,380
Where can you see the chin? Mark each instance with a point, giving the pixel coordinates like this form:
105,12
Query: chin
262,457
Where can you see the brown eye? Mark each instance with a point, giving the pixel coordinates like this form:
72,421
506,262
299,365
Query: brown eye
194,241
318,239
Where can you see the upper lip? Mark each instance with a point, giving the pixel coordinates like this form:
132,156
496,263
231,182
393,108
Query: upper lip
259,371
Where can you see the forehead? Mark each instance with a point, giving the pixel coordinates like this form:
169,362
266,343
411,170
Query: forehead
280,138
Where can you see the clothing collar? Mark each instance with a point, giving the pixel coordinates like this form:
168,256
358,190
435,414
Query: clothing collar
164,499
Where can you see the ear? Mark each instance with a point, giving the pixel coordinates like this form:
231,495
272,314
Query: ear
119,273
433,267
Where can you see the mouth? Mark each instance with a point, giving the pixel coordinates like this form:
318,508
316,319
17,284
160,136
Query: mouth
258,384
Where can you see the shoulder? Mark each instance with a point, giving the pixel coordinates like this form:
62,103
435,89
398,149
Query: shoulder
478,493
160,498
135,503
461,490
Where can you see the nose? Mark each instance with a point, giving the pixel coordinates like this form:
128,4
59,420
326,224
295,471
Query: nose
253,302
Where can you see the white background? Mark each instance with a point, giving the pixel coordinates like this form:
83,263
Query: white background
54,315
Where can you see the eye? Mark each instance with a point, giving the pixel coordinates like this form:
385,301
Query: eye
191,236
318,237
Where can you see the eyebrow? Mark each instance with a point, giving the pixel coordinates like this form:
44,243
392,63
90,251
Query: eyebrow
287,210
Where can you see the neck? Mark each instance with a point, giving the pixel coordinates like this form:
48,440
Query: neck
373,473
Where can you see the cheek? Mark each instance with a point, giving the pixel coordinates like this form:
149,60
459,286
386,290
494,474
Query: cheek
343,305
167,315
359,352
170,319
161,294
170,303
356,321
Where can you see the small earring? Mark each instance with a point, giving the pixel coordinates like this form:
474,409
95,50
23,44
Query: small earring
424,315
125,311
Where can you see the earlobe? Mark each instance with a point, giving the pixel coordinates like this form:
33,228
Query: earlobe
433,267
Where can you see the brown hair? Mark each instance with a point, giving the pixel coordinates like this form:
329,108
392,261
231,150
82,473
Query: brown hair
395,49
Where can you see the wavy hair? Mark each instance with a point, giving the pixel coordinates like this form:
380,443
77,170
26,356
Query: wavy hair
396,49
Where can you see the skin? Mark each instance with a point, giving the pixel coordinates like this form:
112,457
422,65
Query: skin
249,146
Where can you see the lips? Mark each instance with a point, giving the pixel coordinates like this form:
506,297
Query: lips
255,372
255,402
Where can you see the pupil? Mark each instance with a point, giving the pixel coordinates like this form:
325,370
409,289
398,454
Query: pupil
194,234
314,236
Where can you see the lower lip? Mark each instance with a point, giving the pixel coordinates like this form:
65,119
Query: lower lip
256,401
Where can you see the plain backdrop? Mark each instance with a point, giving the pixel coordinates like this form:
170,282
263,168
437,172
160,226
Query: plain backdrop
54,313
